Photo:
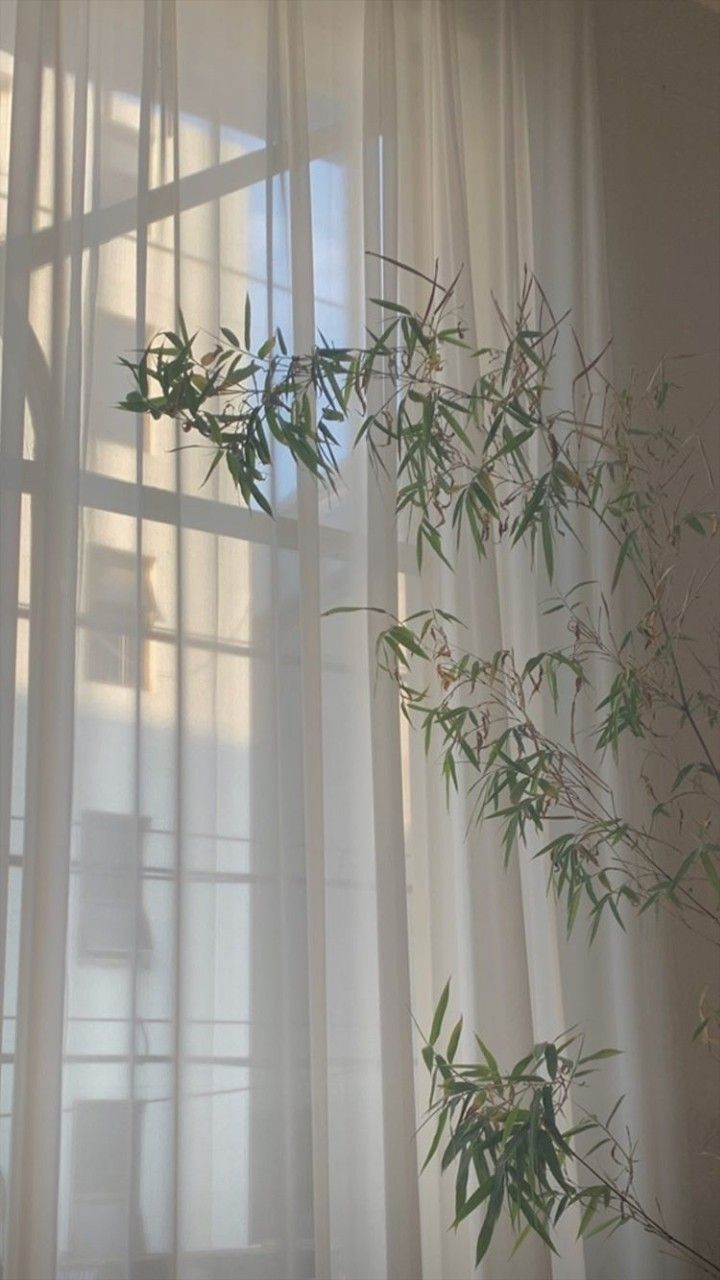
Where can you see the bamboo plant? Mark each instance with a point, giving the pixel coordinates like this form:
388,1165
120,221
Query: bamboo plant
484,455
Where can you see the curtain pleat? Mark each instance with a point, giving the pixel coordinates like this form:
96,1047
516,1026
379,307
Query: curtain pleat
291,95
53,556
381,236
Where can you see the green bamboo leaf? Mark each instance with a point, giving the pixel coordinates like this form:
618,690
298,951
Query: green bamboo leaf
439,1130
390,306
614,1110
492,1215
490,1060
440,1010
454,1040
682,775
461,1181
547,539
626,550
532,508
711,871
552,1159
474,1201
606,1225
520,1240
587,1217
248,327
599,1054
534,1221
216,460
260,498
551,1060
408,640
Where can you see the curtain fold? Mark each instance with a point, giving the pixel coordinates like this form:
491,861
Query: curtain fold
228,876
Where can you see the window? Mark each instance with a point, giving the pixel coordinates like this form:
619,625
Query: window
112,646
187,745
99,1201
110,926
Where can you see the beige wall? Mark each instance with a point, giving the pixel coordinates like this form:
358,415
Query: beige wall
659,86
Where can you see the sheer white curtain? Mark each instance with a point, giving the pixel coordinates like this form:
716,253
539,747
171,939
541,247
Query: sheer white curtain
226,877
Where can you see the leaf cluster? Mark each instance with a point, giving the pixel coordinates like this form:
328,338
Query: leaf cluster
507,1138
540,790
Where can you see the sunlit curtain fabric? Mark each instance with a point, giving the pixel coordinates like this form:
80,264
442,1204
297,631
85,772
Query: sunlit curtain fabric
226,878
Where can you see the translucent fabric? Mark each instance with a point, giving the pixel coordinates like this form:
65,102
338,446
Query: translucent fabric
227,877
